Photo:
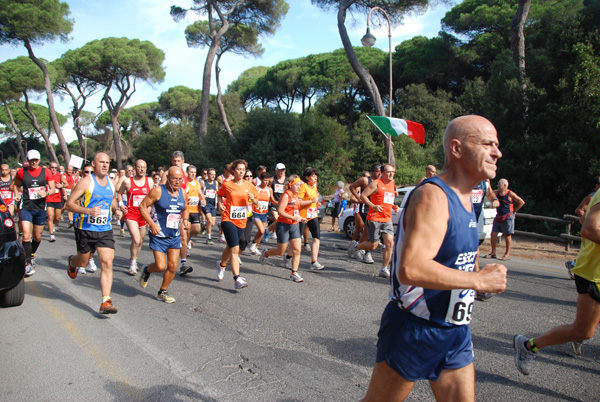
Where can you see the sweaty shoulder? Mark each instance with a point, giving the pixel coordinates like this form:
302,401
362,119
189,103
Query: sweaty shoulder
430,197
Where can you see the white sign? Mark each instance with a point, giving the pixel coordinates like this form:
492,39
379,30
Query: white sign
76,161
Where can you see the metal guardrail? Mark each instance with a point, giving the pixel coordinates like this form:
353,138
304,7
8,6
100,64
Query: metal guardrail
567,238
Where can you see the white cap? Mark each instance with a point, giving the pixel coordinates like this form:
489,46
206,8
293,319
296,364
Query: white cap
33,154
280,166
112,175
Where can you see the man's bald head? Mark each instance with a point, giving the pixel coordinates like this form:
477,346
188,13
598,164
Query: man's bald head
174,171
464,127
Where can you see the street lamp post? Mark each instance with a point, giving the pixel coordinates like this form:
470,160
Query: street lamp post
369,40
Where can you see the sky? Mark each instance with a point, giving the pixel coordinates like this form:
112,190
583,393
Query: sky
305,30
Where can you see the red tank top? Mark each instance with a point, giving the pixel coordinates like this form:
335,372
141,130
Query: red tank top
292,208
384,196
136,193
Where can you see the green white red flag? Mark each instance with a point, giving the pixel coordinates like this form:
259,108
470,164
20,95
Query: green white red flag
395,127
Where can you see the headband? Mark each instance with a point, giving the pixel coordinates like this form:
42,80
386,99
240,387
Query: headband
295,181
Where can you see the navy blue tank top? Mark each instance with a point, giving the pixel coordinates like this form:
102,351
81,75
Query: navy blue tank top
458,251
168,212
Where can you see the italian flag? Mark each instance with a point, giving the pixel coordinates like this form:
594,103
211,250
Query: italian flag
395,127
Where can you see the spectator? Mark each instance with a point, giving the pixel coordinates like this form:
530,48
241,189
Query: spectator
337,203
504,222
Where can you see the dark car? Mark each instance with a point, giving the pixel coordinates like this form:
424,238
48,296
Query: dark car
12,261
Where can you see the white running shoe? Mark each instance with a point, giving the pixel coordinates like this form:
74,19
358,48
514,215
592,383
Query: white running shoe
190,244
296,277
133,267
52,238
523,357
222,239
91,267
220,271
263,257
577,347
273,236
307,247
359,254
81,271
368,258
240,283
384,273
352,249
316,266
287,262
253,250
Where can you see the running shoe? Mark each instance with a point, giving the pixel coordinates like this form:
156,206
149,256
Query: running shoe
122,232
222,239
253,250
577,347
263,257
33,262
185,269
164,296
30,270
287,262
384,273
266,236
352,249
240,283
71,270
368,258
315,266
52,238
274,236
220,271
144,276
209,241
569,265
80,271
133,267
91,267
190,245
359,254
296,277
306,247
523,357
108,308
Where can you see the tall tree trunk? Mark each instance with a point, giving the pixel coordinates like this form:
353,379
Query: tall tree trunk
219,98
210,57
61,139
17,132
33,119
517,40
117,139
363,74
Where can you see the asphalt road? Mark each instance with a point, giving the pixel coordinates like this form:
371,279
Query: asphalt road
275,340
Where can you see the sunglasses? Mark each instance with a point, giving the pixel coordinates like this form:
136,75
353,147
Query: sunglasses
247,176
87,171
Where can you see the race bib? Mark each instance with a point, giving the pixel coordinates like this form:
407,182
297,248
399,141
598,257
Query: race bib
173,221
296,213
477,196
210,193
388,198
460,306
279,188
137,200
263,206
311,213
34,193
236,213
193,201
99,220
6,194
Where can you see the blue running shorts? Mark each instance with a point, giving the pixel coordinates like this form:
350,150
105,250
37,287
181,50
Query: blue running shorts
163,244
419,350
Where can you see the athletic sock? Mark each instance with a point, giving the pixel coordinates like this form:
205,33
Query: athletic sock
288,257
183,261
105,298
34,246
235,277
27,247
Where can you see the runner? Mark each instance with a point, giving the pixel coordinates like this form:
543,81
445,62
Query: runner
278,185
379,197
424,331
222,179
7,195
170,203
71,179
201,179
262,211
245,240
91,267
54,202
195,199
360,234
136,189
288,230
239,193
93,199
309,197
210,209
32,208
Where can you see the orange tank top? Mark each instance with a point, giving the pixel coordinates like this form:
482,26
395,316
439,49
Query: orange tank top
292,208
384,196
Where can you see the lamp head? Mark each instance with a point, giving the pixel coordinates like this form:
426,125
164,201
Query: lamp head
368,40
